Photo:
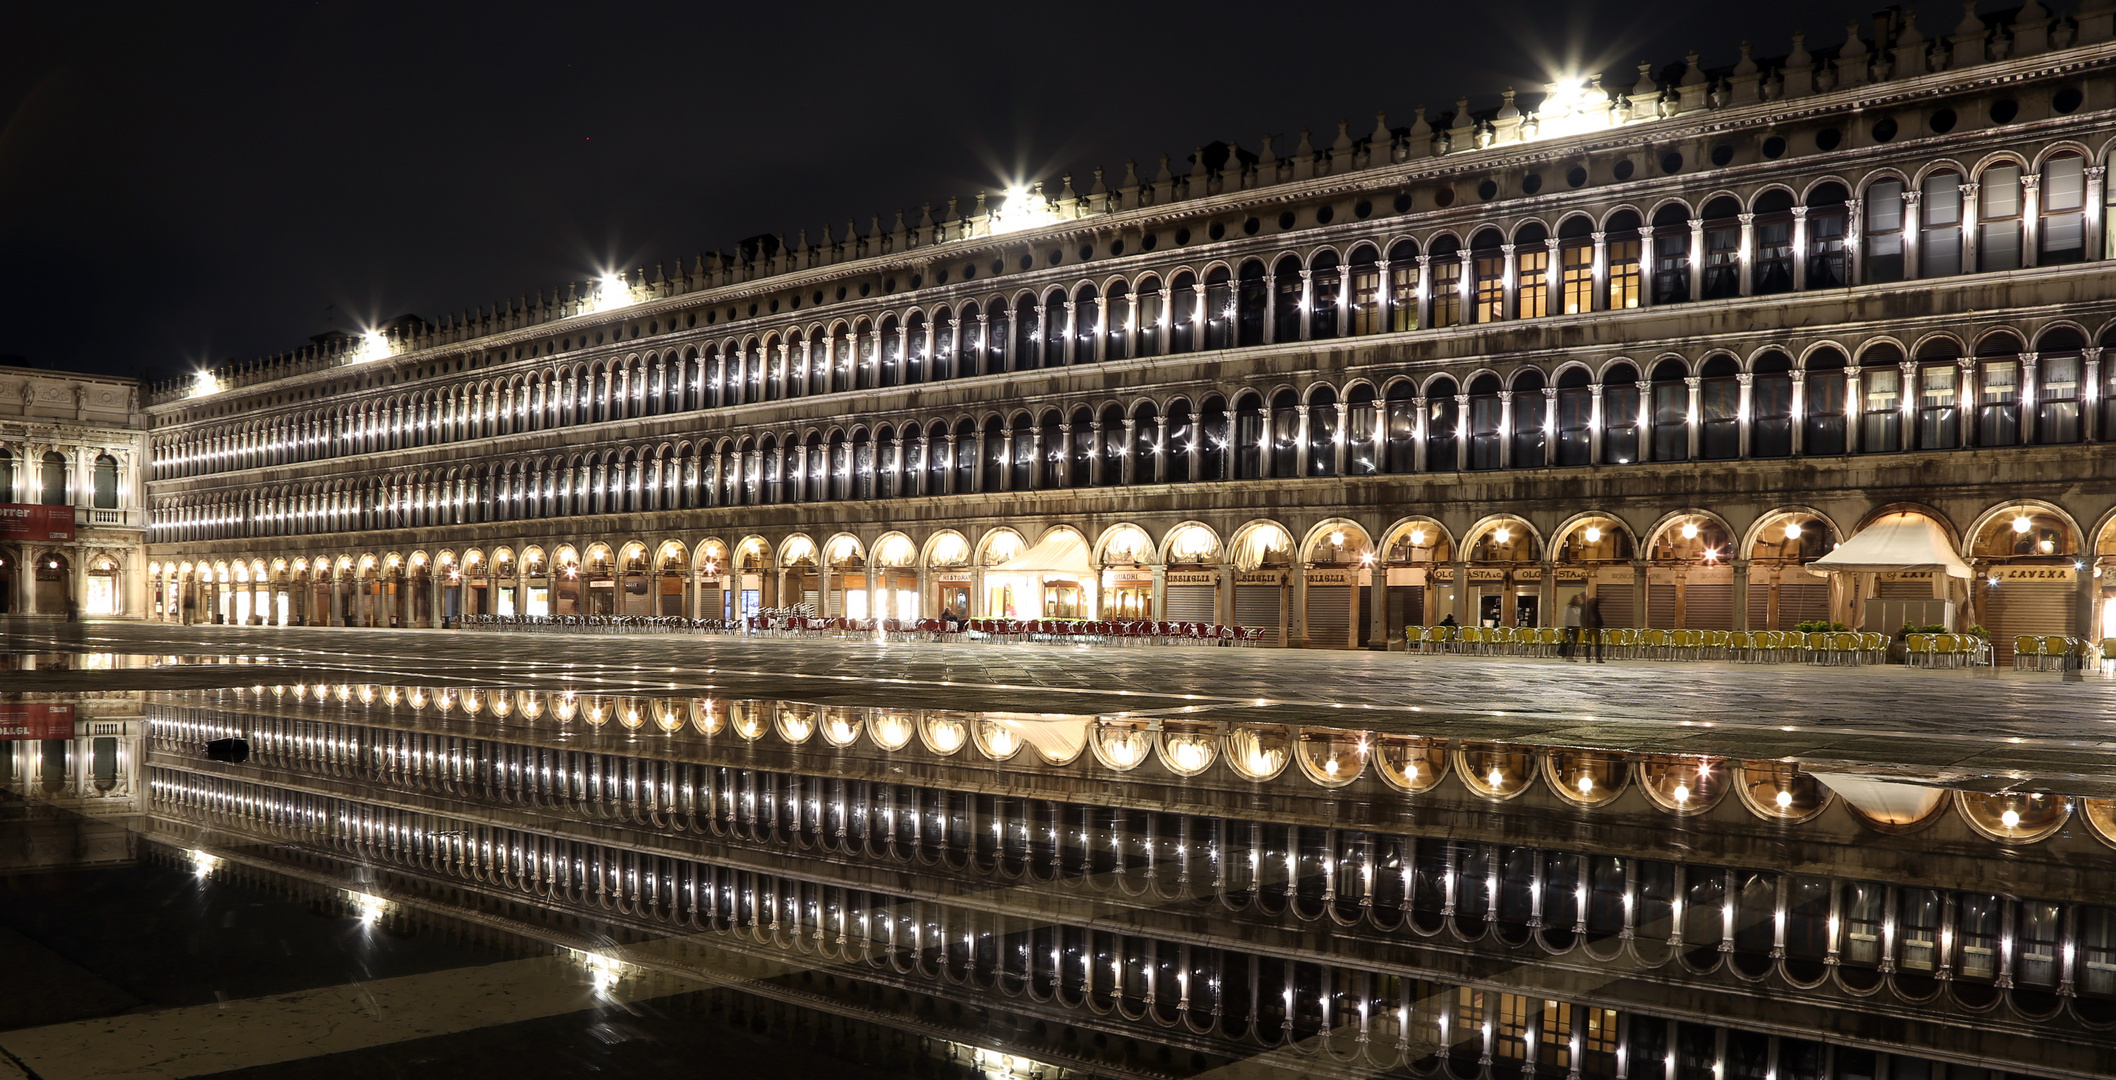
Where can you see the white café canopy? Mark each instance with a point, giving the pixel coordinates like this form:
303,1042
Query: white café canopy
1898,542
1062,552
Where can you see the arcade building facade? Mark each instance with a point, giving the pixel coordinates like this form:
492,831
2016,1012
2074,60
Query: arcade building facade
1669,343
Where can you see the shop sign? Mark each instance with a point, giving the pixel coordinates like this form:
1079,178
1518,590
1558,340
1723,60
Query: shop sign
2030,573
21,522
35,720
1331,577
1570,573
1487,573
1260,577
1407,575
1193,577
956,576
1444,573
1662,575
1528,573
1615,575
1906,575
1129,577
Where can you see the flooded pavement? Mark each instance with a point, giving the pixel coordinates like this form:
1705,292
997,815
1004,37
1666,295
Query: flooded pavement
1032,862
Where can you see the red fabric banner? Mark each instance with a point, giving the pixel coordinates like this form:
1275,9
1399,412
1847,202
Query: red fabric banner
22,522
35,720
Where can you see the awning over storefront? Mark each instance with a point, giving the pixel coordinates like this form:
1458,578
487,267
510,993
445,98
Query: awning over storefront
1062,552
1896,543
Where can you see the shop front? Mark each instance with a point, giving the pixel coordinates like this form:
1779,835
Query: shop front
1415,550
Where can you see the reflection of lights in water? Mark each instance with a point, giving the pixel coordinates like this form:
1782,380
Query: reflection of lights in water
1785,799
1496,779
1330,766
1586,785
369,907
2010,819
1682,793
1190,754
947,738
841,730
202,863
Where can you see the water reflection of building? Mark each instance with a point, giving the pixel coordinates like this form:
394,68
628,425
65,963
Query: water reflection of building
1687,313
69,772
1328,900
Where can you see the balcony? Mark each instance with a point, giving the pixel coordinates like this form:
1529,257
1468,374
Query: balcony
90,517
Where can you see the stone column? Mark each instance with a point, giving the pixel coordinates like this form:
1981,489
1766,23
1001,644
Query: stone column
1506,428
1422,295
1854,409
1743,421
1965,396
1065,457
2028,378
1270,306
1461,435
2095,213
1969,226
1741,593
1746,261
1598,291
1913,243
1799,248
1594,422
1466,289
1096,464
1071,342
1378,605
1509,288
1307,302
1554,279
1297,608
2090,393
1695,385
1300,440
2031,226
1161,450
1343,439
1129,470
1854,228
1385,297
1697,258
1646,267
1799,411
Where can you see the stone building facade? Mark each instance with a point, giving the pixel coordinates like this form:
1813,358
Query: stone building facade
73,521
1669,342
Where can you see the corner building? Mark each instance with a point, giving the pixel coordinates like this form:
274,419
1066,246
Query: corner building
1669,342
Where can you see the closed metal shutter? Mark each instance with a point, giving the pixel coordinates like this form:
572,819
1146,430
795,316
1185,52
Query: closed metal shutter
1190,603
1257,605
1708,607
1617,609
1660,607
1802,603
810,598
1406,608
1329,616
2025,607
1759,606
709,602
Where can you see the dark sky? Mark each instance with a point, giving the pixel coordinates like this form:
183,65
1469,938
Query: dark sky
192,182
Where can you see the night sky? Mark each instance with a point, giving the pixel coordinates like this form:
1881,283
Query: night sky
184,183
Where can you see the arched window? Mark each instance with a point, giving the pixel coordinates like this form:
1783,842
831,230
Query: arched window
1531,271
1145,444
1444,284
1183,313
2064,202
1827,222
1286,309
1881,404
1080,449
971,331
1359,431
1147,334
1443,424
1022,453
1220,314
939,457
1400,414
1671,254
54,480
1485,430
967,458
1530,413
1883,258
1771,406
7,477
1719,409
891,344
1772,232
1939,396
1722,270
1940,225
1116,308
1998,387
1324,288
1322,433
1050,451
2057,377
1056,349
1180,445
1087,323
1621,248
106,497
1824,415
917,369
1252,299
1998,211
1488,286
1574,422
1114,448
862,464
1248,437
1214,453
1285,435
1576,265
1025,347
1671,412
1403,286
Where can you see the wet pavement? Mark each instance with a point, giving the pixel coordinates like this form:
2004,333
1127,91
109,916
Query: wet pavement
439,853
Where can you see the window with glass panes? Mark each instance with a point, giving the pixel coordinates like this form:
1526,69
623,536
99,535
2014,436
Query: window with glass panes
2057,396
1510,1027
1623,274
1998,233
1619,416
1773,237
1825,246
1576,277
1998,403
1575,408
1490,297
1532,282
1722,259
1884,232
1403,293
2064,202
1366,298
1939,405
1445,290
1940,226
1822,414
1671,418
1882,428
1671,265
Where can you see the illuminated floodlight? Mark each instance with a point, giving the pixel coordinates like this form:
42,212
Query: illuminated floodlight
203,383
612,291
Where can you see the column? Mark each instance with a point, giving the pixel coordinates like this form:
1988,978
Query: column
1160,592
1747,257
1343,440
1307,300
1741,593
1506,429
1695,385
1381,436
1300,440
1799,249
1697,258
1854,218
1598,293
1968,226
1854,409
1509,288
2090,393
1297,608
1065,457
1100,346
1646,266
1645,420
1913,243
1387,296
1270,306
1461,435
1096,464
1966,394
1799,410
1908,404
1378,605
1128,471
2095,211
2028,380
1071,348
1422,297
1466,288
1747,382
1198,314
1554,279
1418,433
2031,225
1594,422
